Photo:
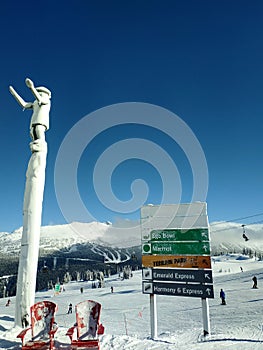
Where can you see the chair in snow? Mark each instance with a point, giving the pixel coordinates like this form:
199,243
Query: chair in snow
85,333
43,327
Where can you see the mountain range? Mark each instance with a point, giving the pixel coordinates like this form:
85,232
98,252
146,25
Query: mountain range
105,237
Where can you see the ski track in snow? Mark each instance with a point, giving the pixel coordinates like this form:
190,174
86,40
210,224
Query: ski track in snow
126,316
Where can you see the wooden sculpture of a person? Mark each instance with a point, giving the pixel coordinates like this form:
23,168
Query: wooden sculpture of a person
41,106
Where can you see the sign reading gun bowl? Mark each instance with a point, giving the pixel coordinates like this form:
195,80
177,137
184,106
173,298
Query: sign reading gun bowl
198,234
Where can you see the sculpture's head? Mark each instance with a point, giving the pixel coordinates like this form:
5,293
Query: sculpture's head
43,91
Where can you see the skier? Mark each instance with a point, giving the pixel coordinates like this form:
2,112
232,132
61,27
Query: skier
8,302
255,281
70,309
25,321
111,289
223,297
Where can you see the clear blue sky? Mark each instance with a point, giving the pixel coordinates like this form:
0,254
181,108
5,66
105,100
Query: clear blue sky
201,60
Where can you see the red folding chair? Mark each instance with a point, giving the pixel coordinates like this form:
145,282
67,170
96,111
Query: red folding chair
85,333
43,327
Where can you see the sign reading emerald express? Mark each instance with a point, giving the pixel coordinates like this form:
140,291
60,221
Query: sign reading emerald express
178,275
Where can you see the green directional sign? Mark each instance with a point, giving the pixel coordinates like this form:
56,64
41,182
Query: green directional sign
174,248
198,234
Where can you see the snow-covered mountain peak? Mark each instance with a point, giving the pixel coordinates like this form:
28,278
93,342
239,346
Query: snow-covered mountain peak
225,236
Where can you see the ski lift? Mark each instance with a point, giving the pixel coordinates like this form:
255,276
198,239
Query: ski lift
244,233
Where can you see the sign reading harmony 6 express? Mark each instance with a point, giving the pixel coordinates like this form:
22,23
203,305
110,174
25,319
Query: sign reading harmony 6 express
178,289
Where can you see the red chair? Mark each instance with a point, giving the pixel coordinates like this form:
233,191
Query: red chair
43,327
85,333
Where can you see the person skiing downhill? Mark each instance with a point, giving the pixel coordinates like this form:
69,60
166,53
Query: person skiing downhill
255,281
223,297
70,309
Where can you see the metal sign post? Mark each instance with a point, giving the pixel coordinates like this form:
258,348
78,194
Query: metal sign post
206,319
153,313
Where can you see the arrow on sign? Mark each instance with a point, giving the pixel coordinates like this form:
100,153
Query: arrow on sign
204,234
205,247
208,291
207,276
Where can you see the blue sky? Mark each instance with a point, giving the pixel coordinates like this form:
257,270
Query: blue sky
201,60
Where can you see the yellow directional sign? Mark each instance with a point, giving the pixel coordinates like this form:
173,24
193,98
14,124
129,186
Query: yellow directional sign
185,261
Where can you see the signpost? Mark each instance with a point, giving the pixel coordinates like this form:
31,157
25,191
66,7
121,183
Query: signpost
176,257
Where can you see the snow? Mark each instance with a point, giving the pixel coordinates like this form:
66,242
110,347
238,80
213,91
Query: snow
126,316
123,234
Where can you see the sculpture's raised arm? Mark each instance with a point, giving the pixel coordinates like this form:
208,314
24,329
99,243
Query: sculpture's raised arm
19,99
31,86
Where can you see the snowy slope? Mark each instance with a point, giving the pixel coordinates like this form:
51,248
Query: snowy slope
125,313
